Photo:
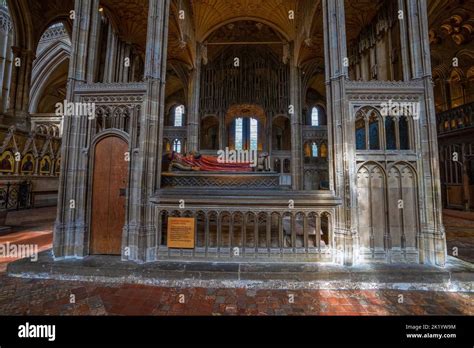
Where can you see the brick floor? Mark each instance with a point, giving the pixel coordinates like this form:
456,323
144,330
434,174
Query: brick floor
460,234
39,234
50,297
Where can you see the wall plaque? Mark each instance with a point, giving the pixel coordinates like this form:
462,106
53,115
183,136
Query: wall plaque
181,233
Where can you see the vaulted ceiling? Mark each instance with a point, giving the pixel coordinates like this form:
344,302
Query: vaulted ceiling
131,17
45,12
210,14
207,18
451,35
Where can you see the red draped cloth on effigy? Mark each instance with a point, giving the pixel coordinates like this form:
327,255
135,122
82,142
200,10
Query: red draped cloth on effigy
211,164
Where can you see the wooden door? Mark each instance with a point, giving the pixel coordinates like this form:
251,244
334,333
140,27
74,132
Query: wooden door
109,184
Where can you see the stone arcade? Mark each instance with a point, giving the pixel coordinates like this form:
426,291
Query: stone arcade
304,82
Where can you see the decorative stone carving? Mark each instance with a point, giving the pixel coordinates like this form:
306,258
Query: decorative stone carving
221,180
460,27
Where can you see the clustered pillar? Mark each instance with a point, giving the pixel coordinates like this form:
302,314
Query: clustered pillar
342,152
71,230
6,58
140,233
432,239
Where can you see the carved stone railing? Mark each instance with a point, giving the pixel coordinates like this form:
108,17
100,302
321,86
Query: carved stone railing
247,181
456,119
171,133
385,85
15,196
310,132
241,226
111,89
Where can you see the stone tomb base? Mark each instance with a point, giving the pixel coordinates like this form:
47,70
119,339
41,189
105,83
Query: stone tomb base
221,180
457,276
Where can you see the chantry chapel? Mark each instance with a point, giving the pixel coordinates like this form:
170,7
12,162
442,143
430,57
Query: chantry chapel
357,117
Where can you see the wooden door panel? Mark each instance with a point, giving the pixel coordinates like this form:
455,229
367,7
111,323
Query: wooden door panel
108,198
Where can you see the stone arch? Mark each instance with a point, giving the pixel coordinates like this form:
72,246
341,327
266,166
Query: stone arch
372,209
369,128
212,237
210,132
53,58
200,238
223,233
249,230
272,25
246,110
171,108
322,115
326,230
281,133
237,233
249,111
403,211
22,24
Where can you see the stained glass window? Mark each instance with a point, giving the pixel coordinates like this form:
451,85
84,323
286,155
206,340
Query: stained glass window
360,135
404,138
315,150
390,133
246,134
239,134
315,117
324,151
374,142
177,146
253,134
178,116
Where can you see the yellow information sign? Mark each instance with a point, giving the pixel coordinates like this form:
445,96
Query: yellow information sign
181,233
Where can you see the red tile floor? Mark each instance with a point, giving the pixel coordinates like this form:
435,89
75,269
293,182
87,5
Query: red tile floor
51,297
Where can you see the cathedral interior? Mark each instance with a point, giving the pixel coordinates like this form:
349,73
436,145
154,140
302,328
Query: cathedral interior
304,84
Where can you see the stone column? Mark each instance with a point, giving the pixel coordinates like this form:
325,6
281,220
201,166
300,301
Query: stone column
404,49
111,55
20,88
6,34
296,125
140,232
127,69
432,240
4,52
341,132
192,114
95,37
70,230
